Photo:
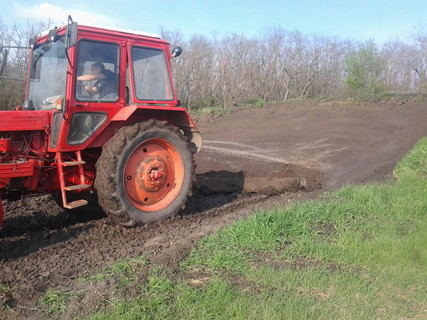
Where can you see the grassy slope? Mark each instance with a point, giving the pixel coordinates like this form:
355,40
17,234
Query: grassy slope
359,253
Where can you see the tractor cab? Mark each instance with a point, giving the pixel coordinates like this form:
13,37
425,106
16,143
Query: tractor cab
86,75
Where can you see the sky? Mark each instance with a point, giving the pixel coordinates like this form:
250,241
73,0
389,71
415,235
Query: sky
359,20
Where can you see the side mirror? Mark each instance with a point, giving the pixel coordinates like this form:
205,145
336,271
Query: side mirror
71,33
176,52
3,59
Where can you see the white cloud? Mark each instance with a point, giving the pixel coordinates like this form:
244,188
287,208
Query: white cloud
45,11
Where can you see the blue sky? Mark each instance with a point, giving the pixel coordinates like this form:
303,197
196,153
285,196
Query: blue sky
381,20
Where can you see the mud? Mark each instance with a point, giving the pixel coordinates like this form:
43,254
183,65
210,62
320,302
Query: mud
251,159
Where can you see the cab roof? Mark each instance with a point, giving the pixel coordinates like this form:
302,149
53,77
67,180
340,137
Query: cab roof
104,29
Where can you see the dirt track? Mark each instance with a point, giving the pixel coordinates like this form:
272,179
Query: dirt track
42,247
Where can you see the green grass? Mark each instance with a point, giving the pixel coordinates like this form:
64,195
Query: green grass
358,253
125,271
55,302
206,113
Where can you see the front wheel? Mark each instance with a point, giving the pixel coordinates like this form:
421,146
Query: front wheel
144,173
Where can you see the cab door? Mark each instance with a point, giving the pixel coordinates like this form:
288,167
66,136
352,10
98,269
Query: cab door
95,99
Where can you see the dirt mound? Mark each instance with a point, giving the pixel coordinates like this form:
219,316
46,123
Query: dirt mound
251,159
243,182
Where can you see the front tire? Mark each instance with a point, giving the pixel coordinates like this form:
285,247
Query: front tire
145,173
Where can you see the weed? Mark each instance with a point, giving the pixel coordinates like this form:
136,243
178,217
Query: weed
56,302
257,102
260,103
124,270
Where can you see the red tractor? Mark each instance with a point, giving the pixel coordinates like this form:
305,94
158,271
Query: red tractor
100,116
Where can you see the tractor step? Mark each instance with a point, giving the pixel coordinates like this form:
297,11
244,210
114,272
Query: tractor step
72,163
75,204
62,165
77,187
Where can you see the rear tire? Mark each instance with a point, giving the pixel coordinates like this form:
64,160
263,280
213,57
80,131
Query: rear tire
145,173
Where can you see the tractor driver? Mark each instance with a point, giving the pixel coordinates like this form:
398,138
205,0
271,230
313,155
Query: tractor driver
105,85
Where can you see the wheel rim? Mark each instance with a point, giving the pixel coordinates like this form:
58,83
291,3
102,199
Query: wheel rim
153,175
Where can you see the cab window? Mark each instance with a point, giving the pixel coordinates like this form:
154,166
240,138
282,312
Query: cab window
150,74
97,71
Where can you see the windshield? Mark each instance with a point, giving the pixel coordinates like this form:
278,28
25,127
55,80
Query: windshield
48,75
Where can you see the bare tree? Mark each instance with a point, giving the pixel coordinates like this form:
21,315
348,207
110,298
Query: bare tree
419,61
11,87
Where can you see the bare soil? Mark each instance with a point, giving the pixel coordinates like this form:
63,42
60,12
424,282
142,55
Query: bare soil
251,159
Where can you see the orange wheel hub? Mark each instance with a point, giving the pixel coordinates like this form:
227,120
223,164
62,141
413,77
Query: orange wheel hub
153,175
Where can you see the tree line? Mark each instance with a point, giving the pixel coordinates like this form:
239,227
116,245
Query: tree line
276,65
279,65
